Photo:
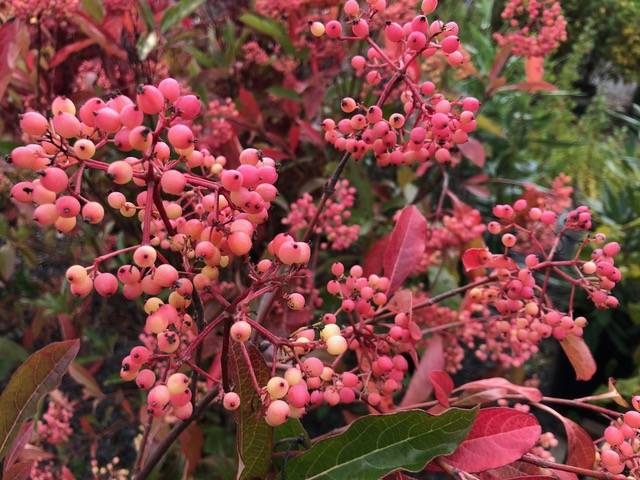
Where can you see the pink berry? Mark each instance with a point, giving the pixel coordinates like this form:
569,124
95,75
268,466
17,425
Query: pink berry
54,179
34,124
180,136
149,99
68,206
231,401
173,182
188,106
170,89
106,284
240,331
66,125
277,413
92,212
145,379
131,116
613,435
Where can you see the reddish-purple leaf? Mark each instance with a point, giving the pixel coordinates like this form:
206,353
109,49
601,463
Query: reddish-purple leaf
249,107
14,44
498,437
68,50
406,246
375,256
442,385
420,387
515,470
531,393
580,357
474,151
18,471
22,438
581,451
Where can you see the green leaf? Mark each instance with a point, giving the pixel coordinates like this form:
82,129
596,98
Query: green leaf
178,12
376,445
282,92
269,27
94,8
12,354
147,14
38,375
291,435
254,437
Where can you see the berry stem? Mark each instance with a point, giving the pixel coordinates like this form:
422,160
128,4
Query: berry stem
533,460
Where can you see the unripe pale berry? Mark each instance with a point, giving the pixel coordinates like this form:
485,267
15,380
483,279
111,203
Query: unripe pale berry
84,149
145,256
296,301
317,29
277,387
330,330
76,274
336,345
177,382
240,331
120,172
293,376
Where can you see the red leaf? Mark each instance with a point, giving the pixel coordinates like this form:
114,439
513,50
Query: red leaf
249,107
534,69
581,451
580,357
514,471
310,134
420,387
14,43
375,256
294,137
532,394
406,245
474,151
442,384
475,258
64,53
499,436
97,34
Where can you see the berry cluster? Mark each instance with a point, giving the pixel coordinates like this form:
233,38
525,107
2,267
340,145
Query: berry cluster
537,27
431,126
331,221
619,451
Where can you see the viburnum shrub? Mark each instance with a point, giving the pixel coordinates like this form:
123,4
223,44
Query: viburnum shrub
203,242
